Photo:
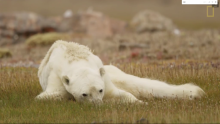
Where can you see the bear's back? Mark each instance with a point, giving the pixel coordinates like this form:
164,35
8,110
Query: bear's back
72,52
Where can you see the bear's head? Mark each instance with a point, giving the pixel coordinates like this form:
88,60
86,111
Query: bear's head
85,84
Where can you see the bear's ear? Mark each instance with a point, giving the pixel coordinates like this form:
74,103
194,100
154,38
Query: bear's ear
102,71
66,80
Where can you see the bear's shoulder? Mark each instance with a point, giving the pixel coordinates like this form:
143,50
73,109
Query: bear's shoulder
73,51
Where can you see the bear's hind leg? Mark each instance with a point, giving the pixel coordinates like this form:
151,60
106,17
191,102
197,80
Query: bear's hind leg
129,98
123,96
114,93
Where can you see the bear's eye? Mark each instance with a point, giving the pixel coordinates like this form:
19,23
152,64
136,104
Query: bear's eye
67,81
100,91
84,94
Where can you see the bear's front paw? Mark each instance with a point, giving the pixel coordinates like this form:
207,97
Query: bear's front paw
141,102
38,98
197,94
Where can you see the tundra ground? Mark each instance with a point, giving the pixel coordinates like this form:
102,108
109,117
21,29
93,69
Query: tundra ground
19,86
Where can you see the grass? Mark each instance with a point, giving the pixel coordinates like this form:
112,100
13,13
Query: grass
19,86
5,53
46,38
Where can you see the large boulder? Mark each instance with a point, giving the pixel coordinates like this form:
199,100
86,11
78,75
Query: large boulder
92,23
25,22
15,25
150,21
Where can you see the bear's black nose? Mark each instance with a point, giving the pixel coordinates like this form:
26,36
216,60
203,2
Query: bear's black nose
84,94
100,91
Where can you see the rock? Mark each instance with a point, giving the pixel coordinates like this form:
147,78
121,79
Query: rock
92,23
31,22
7,33
131,45
26,24
150,21
14,25
118,26
143,120
68,13
6,41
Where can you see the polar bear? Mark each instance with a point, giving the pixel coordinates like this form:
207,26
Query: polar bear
70,70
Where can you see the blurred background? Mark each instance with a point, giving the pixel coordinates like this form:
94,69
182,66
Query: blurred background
143,31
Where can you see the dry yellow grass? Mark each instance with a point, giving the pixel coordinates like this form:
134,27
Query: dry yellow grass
19,86
5,53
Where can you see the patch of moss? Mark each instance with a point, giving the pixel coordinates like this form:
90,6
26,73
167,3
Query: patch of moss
5,53
46,38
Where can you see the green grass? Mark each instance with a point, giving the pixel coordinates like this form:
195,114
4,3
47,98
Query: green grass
5,53
19,86
46,38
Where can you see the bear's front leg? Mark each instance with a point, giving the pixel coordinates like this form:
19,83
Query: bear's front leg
53,96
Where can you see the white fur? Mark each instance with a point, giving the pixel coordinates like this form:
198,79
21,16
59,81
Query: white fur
145,88
87,75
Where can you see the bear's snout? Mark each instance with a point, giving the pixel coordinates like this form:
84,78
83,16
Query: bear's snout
97,102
